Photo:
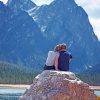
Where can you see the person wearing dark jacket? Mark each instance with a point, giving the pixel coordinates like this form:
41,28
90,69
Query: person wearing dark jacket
62,62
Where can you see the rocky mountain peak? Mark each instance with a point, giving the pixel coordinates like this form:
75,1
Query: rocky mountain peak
16,5
1,5
64,2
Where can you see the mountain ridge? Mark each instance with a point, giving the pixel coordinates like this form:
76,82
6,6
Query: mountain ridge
69,25
72,24
20,37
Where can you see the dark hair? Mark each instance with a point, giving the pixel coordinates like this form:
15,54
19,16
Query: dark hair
57,48
63,46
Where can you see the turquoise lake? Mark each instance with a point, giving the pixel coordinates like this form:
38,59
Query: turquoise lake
7,93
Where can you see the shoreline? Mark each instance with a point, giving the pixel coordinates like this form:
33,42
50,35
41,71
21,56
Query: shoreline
27,86
97,88
15,85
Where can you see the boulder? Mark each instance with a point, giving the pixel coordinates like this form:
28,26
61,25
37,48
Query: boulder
58,85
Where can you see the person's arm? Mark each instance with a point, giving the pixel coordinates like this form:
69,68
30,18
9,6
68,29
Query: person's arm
56,63
70,57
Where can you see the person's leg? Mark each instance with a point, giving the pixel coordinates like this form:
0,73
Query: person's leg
53,67
45,67
49,67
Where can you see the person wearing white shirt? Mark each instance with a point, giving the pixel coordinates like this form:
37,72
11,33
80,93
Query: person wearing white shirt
50,61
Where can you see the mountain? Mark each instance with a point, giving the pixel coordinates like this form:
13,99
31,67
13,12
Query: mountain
20,38
17,5
65,21
28,31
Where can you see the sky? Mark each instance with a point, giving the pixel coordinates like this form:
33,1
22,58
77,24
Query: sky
92,8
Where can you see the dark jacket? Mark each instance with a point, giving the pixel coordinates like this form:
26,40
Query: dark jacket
63,61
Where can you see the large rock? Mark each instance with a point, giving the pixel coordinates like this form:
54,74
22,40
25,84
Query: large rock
58,85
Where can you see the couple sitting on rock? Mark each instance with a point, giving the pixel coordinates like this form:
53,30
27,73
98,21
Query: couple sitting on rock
58,59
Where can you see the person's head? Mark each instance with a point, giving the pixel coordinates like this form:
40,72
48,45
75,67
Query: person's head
57,48
63,47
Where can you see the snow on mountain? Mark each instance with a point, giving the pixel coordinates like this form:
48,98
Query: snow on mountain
34,30
65,21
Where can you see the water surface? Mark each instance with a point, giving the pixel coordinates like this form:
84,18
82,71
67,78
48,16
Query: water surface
8,93
97,93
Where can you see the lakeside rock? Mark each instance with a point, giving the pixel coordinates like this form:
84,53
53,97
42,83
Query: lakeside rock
58,85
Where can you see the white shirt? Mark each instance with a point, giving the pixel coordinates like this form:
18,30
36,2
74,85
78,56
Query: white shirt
51,58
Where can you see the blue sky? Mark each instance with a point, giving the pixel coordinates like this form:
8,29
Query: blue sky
92,7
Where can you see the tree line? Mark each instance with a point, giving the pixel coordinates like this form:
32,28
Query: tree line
13,74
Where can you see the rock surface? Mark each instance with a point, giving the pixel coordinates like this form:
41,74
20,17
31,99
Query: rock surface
58,85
